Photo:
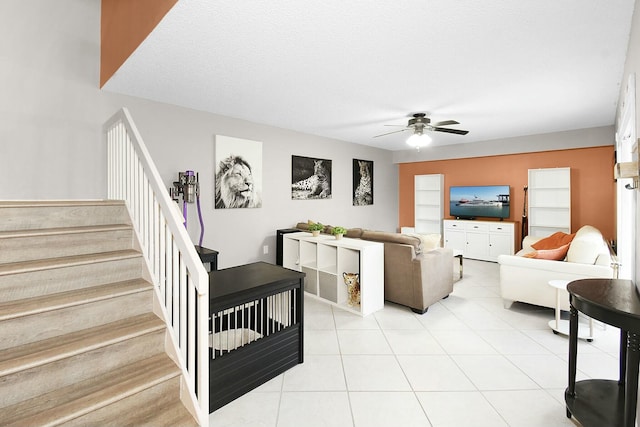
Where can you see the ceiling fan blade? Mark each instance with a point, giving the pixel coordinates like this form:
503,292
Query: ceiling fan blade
445,123
389,133
456,131
404,126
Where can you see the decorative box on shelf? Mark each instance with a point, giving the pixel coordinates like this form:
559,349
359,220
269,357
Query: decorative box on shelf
625,170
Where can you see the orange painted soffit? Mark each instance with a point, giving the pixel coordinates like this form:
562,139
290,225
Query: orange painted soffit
124,24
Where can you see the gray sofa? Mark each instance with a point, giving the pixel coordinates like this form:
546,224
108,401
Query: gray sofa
417,273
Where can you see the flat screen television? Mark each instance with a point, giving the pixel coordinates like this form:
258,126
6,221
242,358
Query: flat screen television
475,201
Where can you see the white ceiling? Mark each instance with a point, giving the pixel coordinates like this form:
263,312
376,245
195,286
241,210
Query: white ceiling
345,69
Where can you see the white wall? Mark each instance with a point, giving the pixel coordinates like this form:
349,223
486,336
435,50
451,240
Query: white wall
632,65
51,144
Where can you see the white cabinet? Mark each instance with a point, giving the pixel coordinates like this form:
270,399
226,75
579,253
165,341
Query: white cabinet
549,194
483,240
429,203
324,259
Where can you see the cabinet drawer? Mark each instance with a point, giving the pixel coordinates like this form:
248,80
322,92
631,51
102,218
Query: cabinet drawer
454,225
501,228
477,226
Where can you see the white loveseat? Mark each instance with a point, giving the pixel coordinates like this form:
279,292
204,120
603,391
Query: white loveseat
527,279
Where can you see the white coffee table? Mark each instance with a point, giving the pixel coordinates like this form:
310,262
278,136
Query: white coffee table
561,326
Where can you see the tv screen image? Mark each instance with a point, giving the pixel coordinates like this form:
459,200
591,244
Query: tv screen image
488,201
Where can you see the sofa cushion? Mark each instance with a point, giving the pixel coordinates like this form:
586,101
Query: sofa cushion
354,233
556,254
428,242
387,237
556,240
586,246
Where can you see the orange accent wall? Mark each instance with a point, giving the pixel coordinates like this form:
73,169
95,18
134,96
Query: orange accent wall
592,184
124,24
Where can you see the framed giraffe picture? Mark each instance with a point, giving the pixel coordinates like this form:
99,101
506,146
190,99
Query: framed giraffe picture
310,178
362,182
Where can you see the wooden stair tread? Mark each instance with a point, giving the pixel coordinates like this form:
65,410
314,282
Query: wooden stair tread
50,263
174,415
29,306
62,230
84,397
59,203
38,353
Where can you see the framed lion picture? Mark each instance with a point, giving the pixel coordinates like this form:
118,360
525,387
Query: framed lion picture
238,176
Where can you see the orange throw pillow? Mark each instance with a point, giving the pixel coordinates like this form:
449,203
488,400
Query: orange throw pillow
556,240
556,254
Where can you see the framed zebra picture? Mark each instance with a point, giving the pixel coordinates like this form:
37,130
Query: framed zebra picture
310,178
362,182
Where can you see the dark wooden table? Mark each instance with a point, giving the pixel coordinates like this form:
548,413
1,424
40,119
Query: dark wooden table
596,402
208,256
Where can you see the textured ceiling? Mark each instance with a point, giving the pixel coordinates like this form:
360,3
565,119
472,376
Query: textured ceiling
344,70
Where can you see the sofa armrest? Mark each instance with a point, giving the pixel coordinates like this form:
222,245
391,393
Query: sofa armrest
555,266
434,269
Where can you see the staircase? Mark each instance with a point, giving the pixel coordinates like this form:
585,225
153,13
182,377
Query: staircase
80,343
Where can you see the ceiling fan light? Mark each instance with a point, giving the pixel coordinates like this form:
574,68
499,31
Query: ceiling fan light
418,140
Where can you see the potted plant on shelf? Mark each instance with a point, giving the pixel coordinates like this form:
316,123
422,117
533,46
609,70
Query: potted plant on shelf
339,232
316,228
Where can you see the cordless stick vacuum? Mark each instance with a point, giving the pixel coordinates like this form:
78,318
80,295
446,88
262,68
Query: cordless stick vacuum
189,187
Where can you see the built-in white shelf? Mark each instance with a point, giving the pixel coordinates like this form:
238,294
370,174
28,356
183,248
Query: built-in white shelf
549,194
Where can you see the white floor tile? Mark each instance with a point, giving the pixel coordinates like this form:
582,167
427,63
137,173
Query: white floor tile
319,341
385,409
274,384
548,371
457,409
317,373
512,342
254,410
434,373
314,305
413,342
493,372
374,373
319,320
315,409
346,320
363,342
462,342
397,317
529,408
441,319
558,343
484,320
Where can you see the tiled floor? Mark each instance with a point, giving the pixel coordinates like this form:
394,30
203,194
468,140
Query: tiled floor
466,362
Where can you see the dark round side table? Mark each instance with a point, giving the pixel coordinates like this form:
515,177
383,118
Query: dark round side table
597,402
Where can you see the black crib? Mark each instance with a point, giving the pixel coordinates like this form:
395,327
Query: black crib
256,328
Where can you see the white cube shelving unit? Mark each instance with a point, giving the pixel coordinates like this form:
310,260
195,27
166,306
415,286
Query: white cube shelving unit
324,258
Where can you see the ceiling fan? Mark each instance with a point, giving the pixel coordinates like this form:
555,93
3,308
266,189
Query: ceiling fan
419,123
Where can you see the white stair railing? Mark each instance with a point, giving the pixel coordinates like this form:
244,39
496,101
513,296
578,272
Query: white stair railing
179,277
